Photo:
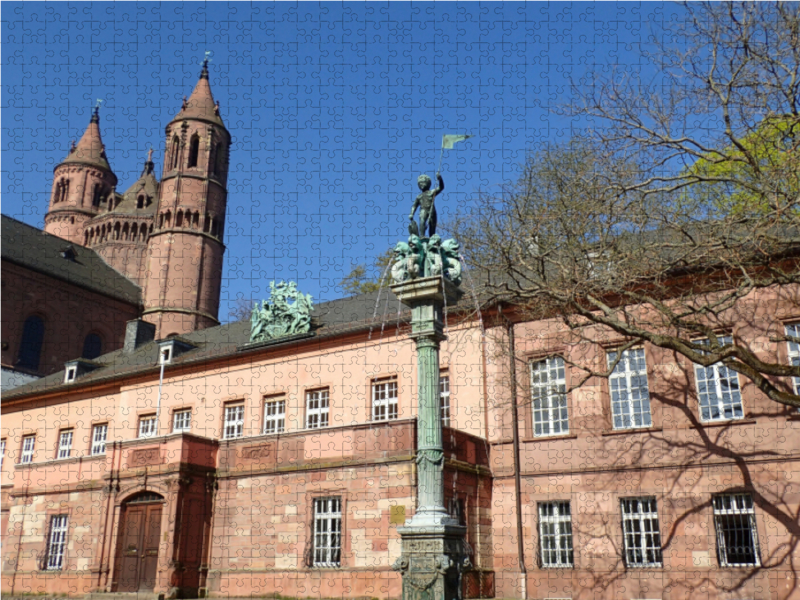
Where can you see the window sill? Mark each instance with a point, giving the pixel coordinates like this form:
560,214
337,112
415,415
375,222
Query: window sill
551,438
633,430
729,422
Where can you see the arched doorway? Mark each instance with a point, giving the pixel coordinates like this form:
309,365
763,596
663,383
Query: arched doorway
137,550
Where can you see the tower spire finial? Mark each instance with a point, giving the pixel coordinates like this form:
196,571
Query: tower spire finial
96,112
204,72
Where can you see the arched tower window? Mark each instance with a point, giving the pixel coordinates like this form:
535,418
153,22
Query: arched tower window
219,159
30,348
92,346
140,201
179,219
194,150
176,146
96,195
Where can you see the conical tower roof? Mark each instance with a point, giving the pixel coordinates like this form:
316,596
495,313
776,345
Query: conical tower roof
200,104
147,184
90,149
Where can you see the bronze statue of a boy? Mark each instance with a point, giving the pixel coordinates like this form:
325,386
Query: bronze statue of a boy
427,210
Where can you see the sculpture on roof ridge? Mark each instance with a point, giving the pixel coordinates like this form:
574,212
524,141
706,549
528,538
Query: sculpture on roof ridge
287,312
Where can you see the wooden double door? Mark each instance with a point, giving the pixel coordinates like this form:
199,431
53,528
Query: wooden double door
137,553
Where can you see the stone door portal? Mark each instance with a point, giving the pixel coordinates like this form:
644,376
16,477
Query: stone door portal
137,554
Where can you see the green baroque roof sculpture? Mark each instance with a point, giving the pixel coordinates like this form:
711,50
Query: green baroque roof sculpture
287,312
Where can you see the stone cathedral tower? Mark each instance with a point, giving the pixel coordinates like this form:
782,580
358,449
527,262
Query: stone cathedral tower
82,185
183,272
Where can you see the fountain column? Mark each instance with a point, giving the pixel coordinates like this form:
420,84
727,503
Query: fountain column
433,549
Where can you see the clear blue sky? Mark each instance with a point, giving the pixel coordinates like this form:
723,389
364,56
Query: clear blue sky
334,109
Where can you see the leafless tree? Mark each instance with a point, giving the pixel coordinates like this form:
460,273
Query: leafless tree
675,220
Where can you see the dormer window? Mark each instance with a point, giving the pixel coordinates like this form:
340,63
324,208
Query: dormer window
75,368
140,202
71,374
68,253
169,348
165,355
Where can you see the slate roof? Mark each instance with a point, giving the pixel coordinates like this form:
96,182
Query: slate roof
34,249
329,320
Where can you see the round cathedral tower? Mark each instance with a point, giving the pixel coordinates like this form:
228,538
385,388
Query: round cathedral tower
183,275
82,184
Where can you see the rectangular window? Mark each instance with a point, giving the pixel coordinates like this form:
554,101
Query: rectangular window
28,444
641,533
735,522
147,426
549,394
718,390
64,444
182,420
384,399
99,435
274,416
2,453
317,408
328,532
56,543
630,395
444,399
234,422
794,351
555,534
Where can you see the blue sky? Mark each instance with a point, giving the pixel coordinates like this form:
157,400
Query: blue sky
334,108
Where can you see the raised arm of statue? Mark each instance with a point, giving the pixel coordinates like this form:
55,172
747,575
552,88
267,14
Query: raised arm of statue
439,189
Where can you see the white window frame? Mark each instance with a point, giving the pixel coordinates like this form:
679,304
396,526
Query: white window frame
549,397
628,397
57,542
641,532
793,350
2,452
716,378
444,399
233,421
65,443
555,535
739,507
99,438
385,406
318,404
182,420
26,457
147,426
274,416
71,374
327,551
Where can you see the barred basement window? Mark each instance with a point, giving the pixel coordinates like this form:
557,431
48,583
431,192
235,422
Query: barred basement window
794,351
549,395
147,426
64,444
555,534
28,444
99,435
444,399
718,390
384,399
328,532
182,420
57,542
274,416
630,395
317,408
641,532
737,539
234,422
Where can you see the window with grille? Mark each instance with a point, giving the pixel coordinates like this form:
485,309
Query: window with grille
234,422
28,444
444,399
735,522
99,435
56,542
718,390
182,420
328,532
549,396
274,416
317,408
384,399
630,395
794,351
2,453
64,444
555,534
641,533
147,426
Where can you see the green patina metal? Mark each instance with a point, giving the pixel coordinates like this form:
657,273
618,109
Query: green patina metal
287,312
426,257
